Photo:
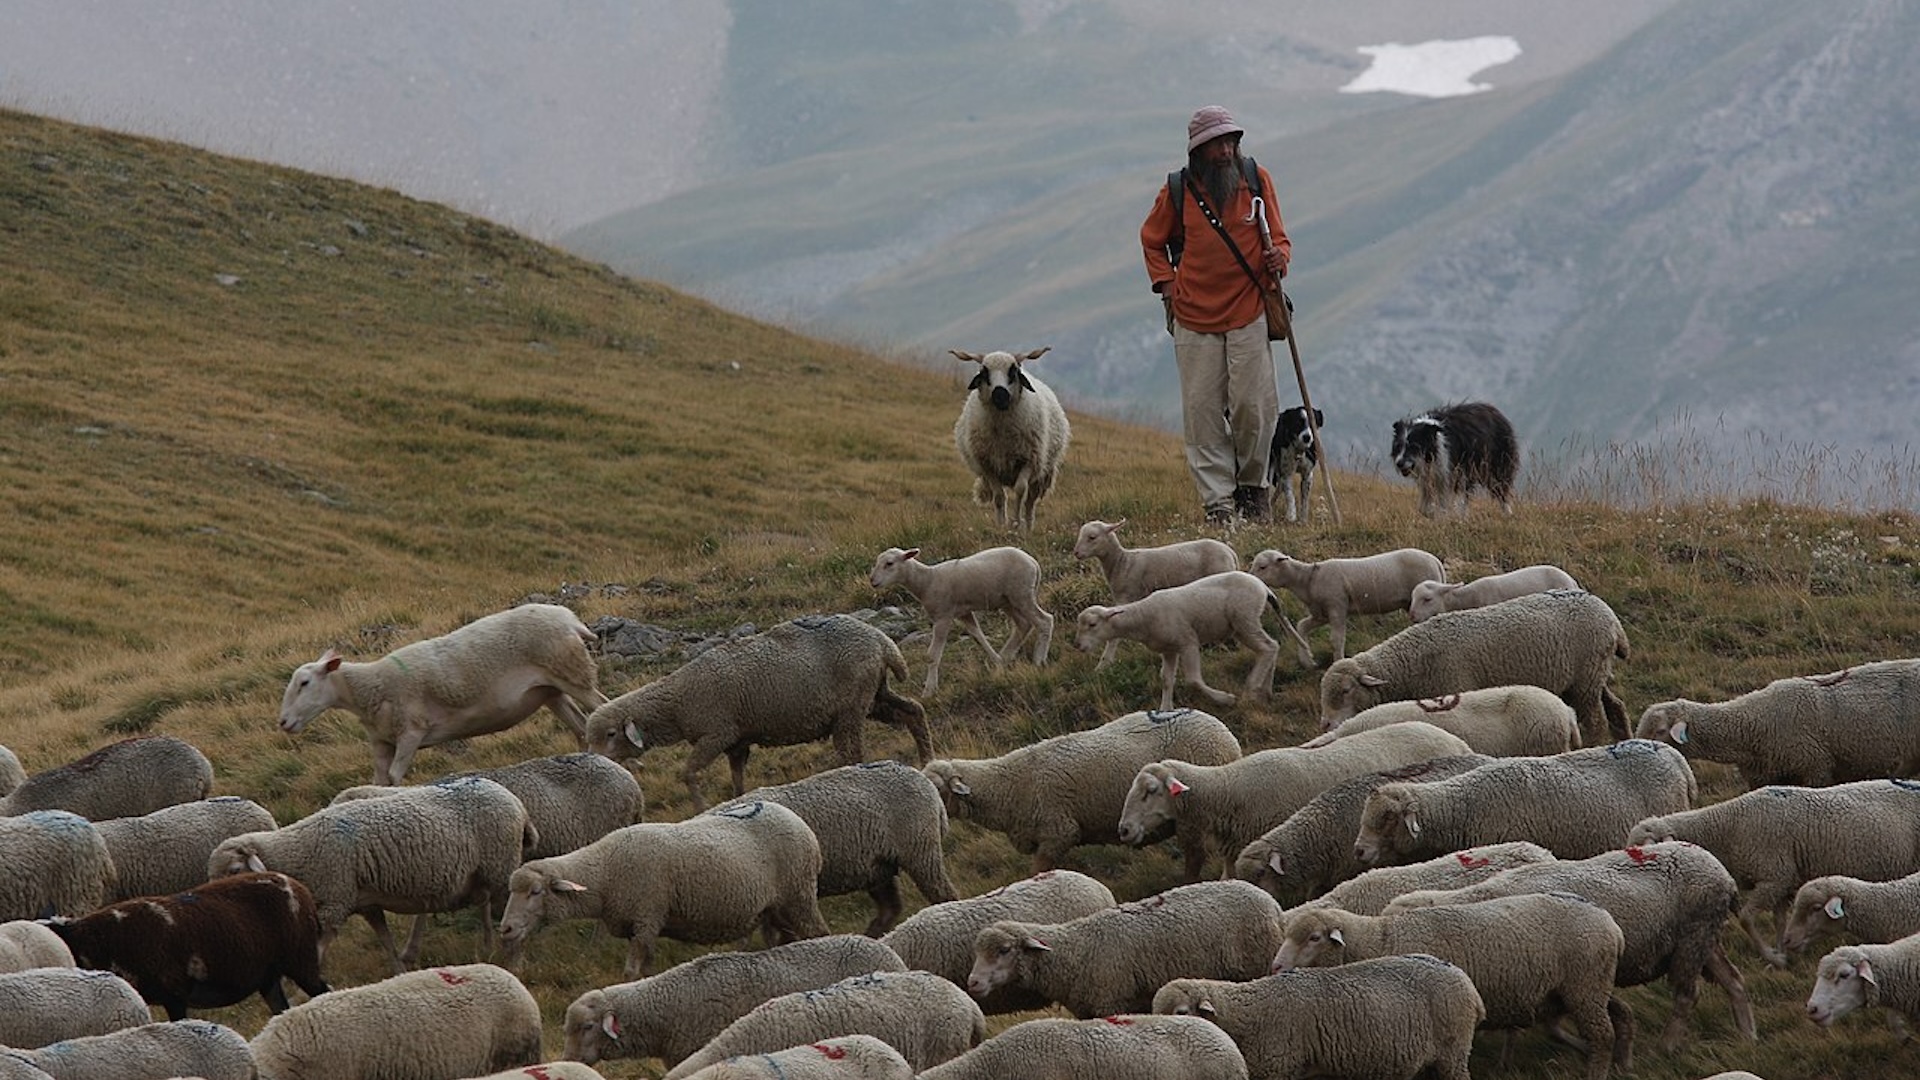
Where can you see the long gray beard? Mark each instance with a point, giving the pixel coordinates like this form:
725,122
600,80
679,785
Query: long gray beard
1221,182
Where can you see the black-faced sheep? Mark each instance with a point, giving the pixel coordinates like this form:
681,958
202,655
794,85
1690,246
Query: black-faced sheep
811,678
209,947
997,579
484,677
1012,434
124,779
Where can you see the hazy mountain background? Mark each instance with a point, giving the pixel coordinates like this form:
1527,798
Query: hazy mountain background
1659,213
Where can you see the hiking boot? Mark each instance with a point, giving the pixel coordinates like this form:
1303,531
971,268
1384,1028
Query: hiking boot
1221,515
1254,503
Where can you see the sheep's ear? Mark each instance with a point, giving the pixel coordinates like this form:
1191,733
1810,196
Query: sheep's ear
611,1025
1025,383
1678,733
1175,787
1205,1008
971,358
1865,971
1371,680
1034,944
563,885
633,736
1038,353
958,786
1334,935
910,553
254,864
1411,819
1277,864
329,661
1115,527
1835,908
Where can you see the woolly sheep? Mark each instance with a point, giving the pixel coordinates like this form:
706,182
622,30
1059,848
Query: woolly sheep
439,847
1430,598
52,863
1068,790
1132,573
11,773
1137,1047
1333,589
1874,912
925,1017
872,820
437,1024
1775,839
1563,641
1499,721
26,944
939,937
1112,961
481,678
1312,850
1669,899
1225,807
209,947
652,1017
571,799
166,852
1012,434
1853,976
1371,892
1395,1018
549,1070
997,579
189,1048
848,1057
1534,956
707,880
124,779
48,1005
802,680
1176,621
1575,804
1857,724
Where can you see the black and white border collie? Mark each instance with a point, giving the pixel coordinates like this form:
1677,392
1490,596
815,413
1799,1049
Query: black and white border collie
1450,450
1294,455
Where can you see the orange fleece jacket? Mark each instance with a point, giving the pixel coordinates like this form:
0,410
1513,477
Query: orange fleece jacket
1211,294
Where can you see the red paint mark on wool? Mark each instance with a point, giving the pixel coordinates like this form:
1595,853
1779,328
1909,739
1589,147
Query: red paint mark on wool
1473,862
831,1053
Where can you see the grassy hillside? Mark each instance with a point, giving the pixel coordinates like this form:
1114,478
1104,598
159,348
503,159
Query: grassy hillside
247,414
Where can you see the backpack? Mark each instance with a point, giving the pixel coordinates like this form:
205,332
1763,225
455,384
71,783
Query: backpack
1177,196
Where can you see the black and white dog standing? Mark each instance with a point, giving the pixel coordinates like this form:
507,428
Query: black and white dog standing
1450,450
1295,455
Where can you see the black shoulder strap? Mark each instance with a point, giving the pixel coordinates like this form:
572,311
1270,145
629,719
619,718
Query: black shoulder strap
1177,198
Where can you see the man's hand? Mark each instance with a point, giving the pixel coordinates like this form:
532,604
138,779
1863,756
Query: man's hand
1277,263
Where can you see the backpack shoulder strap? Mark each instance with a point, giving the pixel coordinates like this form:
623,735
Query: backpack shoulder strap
1177,198
1251,169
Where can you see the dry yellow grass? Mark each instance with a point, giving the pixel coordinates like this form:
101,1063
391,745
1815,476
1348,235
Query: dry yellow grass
247,414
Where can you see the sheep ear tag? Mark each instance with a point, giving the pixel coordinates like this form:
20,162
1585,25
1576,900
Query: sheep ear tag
1175,787
959,786
1334,935
1679,733
633,736
1835,909
611,1025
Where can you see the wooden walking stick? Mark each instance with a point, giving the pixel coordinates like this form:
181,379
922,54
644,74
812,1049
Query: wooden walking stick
1299,372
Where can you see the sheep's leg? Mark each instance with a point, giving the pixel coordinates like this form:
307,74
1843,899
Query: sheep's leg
562,705
1337,626
411,954
271,991
1043,643
1170,665
1622,1016
971,624
936,647
737,765
1727,977
639,955
1267,656
404,747
851,742
1106,654
1189,663
1750,922
1300,630
377,919
887,906
382,762
1596,1030
703,754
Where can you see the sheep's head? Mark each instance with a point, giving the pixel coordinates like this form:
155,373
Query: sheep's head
624,727
1346,689
1429,599
310,692
1651,830
955,792
592,1029
1185,997
1846,981
1094,627
1152,803
1665,722
999,951
1314,938
237,855
1000,380
1391,812
888,566
1095,537
538,894
1817,905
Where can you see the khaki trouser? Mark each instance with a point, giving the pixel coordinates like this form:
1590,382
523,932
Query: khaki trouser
1228,405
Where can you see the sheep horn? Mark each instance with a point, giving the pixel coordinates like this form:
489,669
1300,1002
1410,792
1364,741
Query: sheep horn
973,358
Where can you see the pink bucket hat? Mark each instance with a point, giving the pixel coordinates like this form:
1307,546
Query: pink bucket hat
1210,122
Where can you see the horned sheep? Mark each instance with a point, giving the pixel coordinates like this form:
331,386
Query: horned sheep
47,1005
464,1020
708,879
193,1048
1860,723
806,679
571,799
1068,790
873,821
1398,1016
439,847
846,1057
1176,621
939,937
925,1017
1532,957
208,947
1312,850
1430,598
997,579
1335,589
1874,912
481,678
27,943
166,851
1112,961
1012,435
1226,807
1575,804
651,1017
52,863
1132,573
1371,892
1565,642
123,779
1669,899
1499,721
1775,839
1134,1047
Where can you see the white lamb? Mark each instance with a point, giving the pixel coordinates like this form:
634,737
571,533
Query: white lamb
1499,721
1134,572
997,579
1012,434
484,677
1853,976
1175,622
26,944
1333,589
1430,598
